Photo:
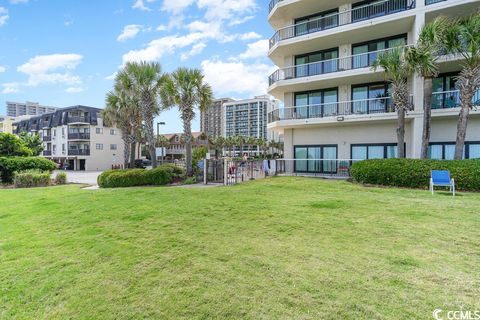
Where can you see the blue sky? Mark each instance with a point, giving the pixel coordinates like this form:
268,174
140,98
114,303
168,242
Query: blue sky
66,52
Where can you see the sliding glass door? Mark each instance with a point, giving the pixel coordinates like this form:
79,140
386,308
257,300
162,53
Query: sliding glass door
316,63
371,98
316,159
316,104
366,53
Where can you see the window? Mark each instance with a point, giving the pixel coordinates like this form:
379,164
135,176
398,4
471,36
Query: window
317,22
316,159
371,98
316,63
113,147
365,53
54,132
446,150
316,104
373,151
99,130
63,146
54,148
99,146
113,132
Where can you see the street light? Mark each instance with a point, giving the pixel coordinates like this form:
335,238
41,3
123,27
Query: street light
158,127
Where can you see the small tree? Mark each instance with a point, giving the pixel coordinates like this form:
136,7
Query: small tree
33,142
13,146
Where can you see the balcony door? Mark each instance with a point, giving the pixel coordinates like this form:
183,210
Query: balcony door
317,22
371,98
316,159
316,104
364,54
316,63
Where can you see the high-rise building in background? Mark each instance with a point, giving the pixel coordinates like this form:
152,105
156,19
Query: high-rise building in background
211,120
336,105
6,124
17,109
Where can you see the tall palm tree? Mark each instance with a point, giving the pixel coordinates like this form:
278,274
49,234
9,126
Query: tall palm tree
397,70
463,38
218,144
144,81
186,89
423,58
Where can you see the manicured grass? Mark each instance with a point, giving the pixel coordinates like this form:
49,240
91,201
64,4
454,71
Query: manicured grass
282,248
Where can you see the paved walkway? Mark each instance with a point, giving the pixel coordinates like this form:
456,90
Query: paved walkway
83,177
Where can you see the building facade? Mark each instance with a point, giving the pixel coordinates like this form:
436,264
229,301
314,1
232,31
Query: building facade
6,124
176,148
77,138
336,105
211,120
17,109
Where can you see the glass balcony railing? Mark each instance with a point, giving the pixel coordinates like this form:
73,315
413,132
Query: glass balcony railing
335,109
362,13
364,60
451,99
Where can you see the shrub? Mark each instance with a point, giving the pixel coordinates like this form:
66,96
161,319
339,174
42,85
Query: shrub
10,165
190,180
161,175
61,178
415,173
31,178
13,146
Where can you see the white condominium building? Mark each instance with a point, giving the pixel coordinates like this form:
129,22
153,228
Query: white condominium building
17,109
336,106
77,137
211,120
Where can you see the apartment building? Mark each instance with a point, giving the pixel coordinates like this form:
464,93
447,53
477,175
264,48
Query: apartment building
176,148
6,124
77,137
336,106
17,109
211,120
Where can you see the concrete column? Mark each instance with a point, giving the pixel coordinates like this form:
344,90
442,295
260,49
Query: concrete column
415,145
417,81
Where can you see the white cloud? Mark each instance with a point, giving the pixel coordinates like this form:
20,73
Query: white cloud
3,16
196,49
74,90
112,76
176,6
226,9
257,49
18,1
51,69
129,32
11,87
140,5
2,69
250,36
235,76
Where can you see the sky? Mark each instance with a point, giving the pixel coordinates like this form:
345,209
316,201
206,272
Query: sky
66,52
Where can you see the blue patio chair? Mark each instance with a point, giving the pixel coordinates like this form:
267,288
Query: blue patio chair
441,178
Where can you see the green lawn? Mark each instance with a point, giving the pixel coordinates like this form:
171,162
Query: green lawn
282,248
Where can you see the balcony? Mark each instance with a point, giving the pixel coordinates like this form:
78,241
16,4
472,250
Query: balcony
429,2
359,61
451,99
47,153
335,109
79,119
272,4
79,152
47,138
335,20
79,136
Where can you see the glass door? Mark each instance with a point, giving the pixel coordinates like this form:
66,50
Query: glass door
359,97
301,103
329,165
330,103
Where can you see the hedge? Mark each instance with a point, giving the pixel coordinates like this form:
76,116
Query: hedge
10,165
415,173
31,178
159,176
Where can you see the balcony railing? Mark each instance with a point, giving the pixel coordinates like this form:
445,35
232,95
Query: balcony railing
47,138
335,109
82,119
429,2
79,152
47,153
335,20
358,61
272,4
79,136
451,99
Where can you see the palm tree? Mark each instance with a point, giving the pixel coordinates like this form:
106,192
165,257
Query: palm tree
463,38
397,70
229,143
144,81
186,89
218,144
424,60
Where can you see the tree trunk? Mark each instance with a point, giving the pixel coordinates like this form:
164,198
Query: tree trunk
132,155
427,115
468,82
187,131
401,133
126,151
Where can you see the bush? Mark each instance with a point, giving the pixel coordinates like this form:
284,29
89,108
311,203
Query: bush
61,178
190,180
159,176
415,173
31,178
10,165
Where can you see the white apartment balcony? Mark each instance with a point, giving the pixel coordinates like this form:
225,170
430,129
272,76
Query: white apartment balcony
361,24
281,10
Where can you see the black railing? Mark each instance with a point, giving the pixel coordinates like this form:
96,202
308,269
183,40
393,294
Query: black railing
272,4
47,153
82,119
364,60
78,136
79,152
451,99
334,20
47,138
335,109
